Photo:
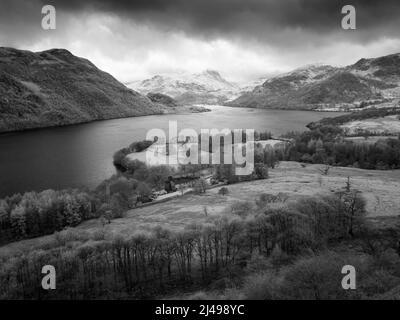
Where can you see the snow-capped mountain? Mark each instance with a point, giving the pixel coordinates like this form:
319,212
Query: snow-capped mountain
207,87
249,86
323,87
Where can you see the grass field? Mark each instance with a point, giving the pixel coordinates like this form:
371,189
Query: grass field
381,190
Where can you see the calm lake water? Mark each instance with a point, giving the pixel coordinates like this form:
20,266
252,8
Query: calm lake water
81,155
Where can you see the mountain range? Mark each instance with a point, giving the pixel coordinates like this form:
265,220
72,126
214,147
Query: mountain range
323,87
54,87
207,87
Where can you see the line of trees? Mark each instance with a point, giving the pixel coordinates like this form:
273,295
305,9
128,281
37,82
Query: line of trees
148,265
326,145
34,214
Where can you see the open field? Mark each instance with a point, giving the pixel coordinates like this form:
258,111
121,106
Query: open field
381,190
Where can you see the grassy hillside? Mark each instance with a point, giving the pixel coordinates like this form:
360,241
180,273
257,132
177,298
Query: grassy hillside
266,239
162,99
54,87
379,188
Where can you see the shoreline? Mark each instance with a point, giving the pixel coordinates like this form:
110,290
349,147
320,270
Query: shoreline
183,111
96,173
3,133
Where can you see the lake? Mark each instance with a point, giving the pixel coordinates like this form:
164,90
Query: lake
81,155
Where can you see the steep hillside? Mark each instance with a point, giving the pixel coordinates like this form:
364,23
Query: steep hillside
207,87
162,99
384,68
285,91
324,87
54,87
383,73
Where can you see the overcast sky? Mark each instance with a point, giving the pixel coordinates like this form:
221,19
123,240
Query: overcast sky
243,39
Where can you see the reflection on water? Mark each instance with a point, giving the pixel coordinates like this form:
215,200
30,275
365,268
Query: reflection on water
81,155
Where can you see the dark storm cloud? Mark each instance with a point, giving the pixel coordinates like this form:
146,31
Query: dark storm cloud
276,22
242,38
249,18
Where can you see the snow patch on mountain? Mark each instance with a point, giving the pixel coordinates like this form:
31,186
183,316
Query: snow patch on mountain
322,87
205,87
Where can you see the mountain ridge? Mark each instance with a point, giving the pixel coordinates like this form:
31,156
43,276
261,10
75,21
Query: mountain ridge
322,87
207,87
